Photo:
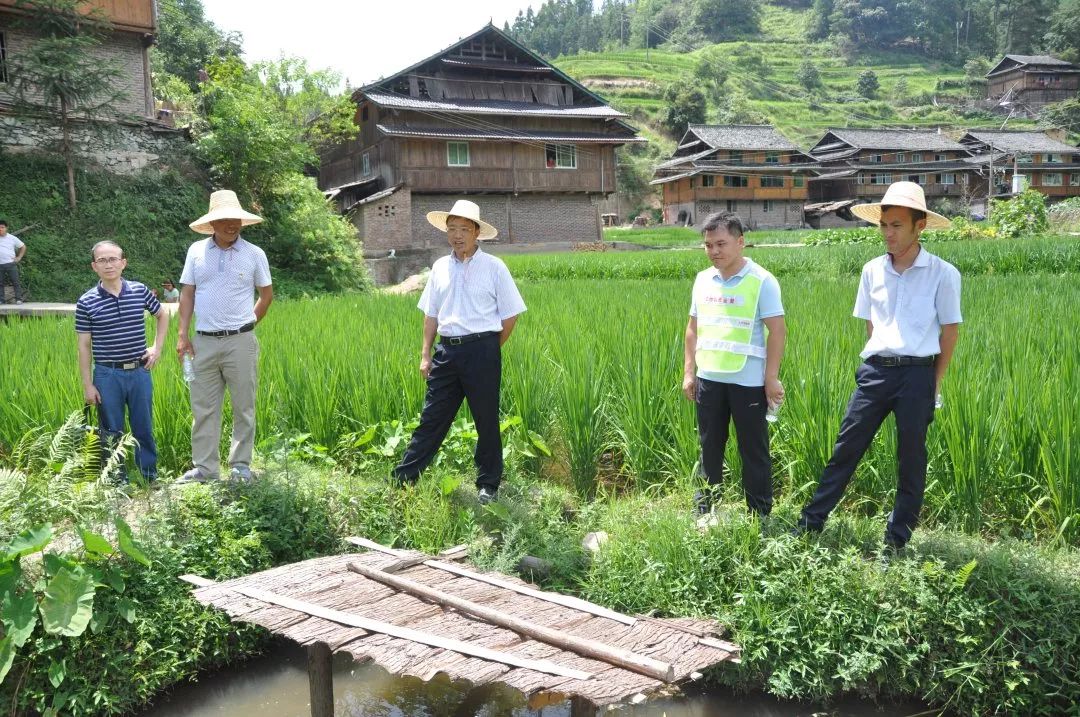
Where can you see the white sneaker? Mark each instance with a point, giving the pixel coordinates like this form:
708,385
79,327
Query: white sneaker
240,474
193,476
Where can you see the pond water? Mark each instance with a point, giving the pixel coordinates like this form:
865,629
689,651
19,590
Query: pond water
276,685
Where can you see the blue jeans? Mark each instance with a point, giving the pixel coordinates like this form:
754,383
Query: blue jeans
134,391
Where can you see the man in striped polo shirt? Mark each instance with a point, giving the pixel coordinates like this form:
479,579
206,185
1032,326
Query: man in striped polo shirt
112,337
471,301
220,279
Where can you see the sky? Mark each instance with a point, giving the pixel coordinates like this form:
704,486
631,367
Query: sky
361,40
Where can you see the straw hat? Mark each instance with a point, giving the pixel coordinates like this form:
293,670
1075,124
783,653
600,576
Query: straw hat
223,205
466,210
901,194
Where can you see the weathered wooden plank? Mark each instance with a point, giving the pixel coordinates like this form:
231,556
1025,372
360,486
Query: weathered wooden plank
321,680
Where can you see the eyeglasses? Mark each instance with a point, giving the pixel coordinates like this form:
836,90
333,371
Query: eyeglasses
107,260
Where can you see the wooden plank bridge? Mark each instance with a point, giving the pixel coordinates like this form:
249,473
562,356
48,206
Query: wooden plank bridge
421,615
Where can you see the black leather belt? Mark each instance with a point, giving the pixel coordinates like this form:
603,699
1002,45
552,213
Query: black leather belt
467,338
228,332
125,365
901,360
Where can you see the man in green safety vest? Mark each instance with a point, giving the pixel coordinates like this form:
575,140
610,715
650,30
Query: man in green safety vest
731,371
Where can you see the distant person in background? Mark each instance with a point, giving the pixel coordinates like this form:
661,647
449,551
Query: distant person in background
12,250
171,294
114,360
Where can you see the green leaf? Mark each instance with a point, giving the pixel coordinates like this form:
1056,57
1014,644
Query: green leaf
126,609
68,602
54,564
115,579
365,438
541,446
499,510
100,620
10,573
94,543
7,656
19,616
962,575
128,545
449,484
32,540
57,673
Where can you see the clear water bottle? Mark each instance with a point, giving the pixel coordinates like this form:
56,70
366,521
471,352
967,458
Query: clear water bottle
772,413
939,402
189,368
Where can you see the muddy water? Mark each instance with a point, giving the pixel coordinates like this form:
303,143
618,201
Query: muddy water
276,685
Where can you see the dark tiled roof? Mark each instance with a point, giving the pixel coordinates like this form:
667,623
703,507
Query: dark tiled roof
490,65
1012,141
685,159
490,107
903,139
507,134
1038,60
742,136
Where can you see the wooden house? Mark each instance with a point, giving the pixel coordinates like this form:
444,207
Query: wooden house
1048,164
860,164
1029,82
486,119
751,170
134,23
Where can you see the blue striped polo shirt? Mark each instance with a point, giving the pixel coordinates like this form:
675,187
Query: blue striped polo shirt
115,323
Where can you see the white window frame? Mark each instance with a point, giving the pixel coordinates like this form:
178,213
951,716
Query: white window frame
916,156
1052,158
948,178
876,158
561,151
880,178
798,181
708,180
1056,175
767,205
365,164
901,157
732,205
772,158
941,157
1074,179
458,146
764,177
860,179
737,181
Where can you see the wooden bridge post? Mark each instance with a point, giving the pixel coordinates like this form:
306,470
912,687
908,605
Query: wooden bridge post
580,707
321,679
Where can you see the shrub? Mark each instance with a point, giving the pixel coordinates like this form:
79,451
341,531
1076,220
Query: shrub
1023,215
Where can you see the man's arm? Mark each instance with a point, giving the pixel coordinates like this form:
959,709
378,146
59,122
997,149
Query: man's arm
774,354
689,384
266,297
431,324
20,253
90,392
507,329
949,334
869,329
187,308
153,353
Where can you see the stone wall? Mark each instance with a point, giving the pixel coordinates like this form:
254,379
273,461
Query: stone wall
782,214
524,219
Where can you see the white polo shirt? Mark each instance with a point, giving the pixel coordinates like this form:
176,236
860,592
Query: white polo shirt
909,309
9,247
470,296
225,281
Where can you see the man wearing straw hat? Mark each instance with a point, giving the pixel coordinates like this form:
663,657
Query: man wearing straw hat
910,300
220,278
472,303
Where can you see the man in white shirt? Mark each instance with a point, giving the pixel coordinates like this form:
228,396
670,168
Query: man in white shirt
221,276
910,300
12,251
472,303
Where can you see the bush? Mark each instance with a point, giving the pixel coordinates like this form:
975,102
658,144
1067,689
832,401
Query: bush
1023,215
1065,216
867,85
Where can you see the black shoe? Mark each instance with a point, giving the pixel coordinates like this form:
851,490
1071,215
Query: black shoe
703,501
486,495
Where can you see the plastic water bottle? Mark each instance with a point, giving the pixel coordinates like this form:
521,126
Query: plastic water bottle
938,402
772,413
189,369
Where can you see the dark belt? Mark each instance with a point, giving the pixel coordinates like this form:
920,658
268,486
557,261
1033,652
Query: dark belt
125,365
228,332
467,338
901,360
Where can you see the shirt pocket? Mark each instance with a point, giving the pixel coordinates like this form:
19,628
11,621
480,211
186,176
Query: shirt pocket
921,311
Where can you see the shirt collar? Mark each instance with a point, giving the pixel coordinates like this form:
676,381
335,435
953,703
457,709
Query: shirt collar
453,256
737,275
125,288
922,259
213,244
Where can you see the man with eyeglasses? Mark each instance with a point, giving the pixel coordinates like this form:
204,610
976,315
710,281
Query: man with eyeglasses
114,359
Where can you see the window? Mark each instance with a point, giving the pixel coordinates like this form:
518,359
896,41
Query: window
860,179
772,182
798,181
708,180
901,157
1052,158
1051,179
733,181
916,156
948,178
365,164
560,156
1074,179
457,154
772,158
767,205
917,178
941,157
876,158
363,113
880,178
735,156
731,203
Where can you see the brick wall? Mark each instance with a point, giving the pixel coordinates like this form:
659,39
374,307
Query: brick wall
123,50
386,223
784,215
554,218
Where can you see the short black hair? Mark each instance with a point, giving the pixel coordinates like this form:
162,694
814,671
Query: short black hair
728,221
916,214
167,281
4,222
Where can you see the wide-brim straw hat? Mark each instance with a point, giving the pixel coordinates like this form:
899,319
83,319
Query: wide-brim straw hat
466,210
901,194
223,205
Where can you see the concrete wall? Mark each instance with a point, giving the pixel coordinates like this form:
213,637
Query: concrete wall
526,218
783,215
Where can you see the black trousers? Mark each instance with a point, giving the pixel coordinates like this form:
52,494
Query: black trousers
907,392
9,273
717,405
471,372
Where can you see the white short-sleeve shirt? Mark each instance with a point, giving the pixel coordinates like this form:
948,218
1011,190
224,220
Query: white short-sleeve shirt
225,281
9,247
470,296
909,309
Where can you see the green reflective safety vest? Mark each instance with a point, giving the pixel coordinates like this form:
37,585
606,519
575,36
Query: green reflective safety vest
725,324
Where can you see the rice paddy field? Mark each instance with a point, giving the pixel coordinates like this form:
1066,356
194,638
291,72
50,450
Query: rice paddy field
595,369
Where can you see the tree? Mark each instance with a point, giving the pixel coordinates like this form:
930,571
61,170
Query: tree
711,72
58,78
1063,114
1063,37
686,105
188,42
720,20
975,71
807,75
867,85
818,27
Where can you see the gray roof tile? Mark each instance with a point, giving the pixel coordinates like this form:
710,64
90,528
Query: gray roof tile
491,107
903,139
1013,141
742,136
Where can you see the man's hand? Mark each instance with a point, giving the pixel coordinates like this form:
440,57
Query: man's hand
150,357
689,387
425,366
91,395
183,346
774,391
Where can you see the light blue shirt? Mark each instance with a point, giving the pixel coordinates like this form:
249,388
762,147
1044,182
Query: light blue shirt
909,309
470,296
768,306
